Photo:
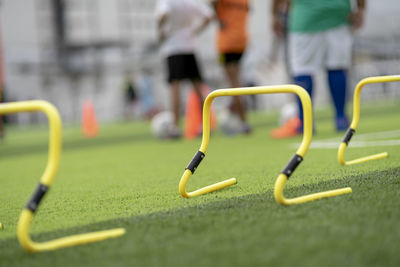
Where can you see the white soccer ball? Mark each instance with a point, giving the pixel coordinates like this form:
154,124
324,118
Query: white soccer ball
162,124
287,112
229,122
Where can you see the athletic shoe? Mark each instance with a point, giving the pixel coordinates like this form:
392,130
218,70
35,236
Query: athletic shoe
290,129
342,124
246,128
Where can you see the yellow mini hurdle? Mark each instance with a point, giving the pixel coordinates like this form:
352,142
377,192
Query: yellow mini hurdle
356,117
46,180
286,172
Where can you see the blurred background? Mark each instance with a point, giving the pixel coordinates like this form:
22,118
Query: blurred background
70,51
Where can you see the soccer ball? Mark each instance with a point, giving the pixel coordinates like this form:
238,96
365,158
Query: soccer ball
162,124
229,122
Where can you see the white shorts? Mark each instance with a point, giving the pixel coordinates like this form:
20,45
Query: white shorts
310,52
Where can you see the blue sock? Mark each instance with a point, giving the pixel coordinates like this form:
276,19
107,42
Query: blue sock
306,82
338,86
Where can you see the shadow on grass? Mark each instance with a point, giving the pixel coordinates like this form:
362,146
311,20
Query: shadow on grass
360,229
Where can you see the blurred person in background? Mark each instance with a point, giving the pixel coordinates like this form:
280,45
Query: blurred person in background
231,44
138,94
320,37
179,21
130,96
145,89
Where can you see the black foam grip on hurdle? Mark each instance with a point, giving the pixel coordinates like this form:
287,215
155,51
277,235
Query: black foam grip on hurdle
349,135
194,163
37,197
292,165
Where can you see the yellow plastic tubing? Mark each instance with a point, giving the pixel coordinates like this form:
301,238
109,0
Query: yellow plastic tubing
356,118
46,180
289,169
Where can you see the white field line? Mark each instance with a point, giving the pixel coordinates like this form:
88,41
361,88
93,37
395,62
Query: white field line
380,135
335,145
369,136
361,140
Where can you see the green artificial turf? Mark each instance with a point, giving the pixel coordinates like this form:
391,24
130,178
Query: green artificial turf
126,178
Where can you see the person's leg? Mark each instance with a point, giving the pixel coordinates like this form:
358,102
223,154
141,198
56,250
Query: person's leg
232,71
337,80
306,82
294,126
251,101
175,74
175,132
338,61
307,52
175,101
197,85
238,107
193,72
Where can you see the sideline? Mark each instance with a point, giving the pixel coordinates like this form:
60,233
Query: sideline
360,140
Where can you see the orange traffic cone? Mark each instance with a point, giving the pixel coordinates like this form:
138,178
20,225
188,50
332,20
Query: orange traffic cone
90,128
193,116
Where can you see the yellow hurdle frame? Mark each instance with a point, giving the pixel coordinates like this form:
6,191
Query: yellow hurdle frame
286,172
27,214
356,117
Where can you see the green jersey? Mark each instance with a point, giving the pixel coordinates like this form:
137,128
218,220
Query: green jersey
318,15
